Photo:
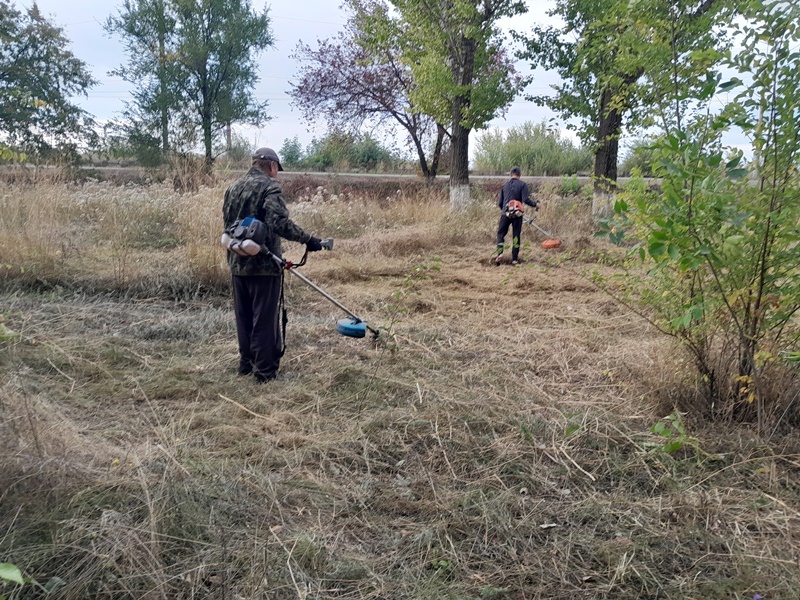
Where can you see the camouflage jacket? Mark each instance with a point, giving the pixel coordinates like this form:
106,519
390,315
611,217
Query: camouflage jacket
258,195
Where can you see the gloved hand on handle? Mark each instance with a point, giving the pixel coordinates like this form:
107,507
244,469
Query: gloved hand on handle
314,244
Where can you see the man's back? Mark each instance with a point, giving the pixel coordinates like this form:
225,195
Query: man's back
513,189
246,197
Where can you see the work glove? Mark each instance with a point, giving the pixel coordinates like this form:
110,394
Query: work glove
314,244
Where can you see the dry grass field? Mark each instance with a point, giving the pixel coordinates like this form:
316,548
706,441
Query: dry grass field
495,442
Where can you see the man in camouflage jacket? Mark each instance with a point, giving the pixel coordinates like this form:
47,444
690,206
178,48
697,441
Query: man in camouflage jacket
257,280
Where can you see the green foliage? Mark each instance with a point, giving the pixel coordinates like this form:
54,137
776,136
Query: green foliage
131,140
194,67
10,574
9,155
674,438
625,63
291,152
570,185
638,159
672,430
6,334
367,153
147,30
345,150
536,148
720,240
588,65
443,40
38,78
460,71
491,592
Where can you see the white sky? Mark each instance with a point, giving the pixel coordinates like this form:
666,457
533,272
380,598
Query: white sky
306,20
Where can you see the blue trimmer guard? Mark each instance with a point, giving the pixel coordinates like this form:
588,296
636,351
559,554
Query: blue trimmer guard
352,327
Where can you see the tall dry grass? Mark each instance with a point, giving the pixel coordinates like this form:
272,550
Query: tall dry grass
132,239
154,240
33,234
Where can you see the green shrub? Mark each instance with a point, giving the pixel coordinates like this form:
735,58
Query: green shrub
536,148
639,157
343,150
719,242
570,185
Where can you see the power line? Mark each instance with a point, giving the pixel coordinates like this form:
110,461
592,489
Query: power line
79,23
272,17
307,21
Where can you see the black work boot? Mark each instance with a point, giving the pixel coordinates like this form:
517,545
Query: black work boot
245,367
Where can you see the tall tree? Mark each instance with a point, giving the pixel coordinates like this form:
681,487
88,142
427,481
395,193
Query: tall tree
616,57
195,61
359,77
218,41
38,76
454,50
148,30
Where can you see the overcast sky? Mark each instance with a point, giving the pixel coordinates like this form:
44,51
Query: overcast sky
306,20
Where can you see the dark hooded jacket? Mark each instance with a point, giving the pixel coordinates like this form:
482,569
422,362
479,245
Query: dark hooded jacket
514,189
259,195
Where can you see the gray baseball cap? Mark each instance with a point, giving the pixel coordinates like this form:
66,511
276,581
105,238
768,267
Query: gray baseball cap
267,154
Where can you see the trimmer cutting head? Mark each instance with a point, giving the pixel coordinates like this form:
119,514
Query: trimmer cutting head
355,328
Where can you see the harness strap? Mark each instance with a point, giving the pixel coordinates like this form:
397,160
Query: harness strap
283,316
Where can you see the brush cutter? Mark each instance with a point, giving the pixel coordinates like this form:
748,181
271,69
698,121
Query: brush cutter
352,327
550,242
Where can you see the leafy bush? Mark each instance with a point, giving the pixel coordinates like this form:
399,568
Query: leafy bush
570,185
719,244
291,152
342,151
536,148
639,157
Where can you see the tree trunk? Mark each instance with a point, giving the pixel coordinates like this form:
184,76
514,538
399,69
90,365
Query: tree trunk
437,152
459,169
423,160
606,154
206,115
162,79
209,154
459,134
164,114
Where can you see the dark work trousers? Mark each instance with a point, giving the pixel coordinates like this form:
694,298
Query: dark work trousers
516,232
255,304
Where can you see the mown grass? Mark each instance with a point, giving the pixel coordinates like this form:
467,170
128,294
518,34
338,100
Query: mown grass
494,443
